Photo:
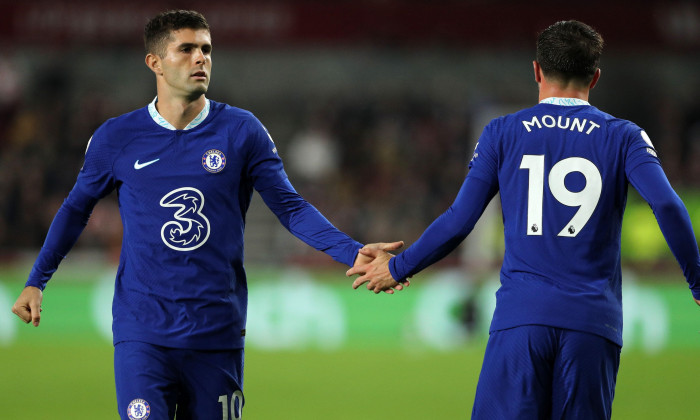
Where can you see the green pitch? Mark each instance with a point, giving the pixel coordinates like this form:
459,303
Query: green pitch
76,382
63,369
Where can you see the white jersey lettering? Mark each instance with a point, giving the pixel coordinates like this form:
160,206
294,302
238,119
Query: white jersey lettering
549,121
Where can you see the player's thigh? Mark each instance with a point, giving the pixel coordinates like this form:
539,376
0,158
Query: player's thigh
585,374
212,385
516,376
145,381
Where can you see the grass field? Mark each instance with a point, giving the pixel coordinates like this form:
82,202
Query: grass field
75,382
63,370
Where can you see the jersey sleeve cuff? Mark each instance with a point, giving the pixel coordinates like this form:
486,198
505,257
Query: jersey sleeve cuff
44,267
394,273
37,281
355,252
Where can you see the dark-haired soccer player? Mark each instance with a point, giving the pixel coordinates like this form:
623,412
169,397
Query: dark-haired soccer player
562,168
185,168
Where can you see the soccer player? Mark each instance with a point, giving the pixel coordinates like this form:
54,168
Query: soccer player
184,168
562,168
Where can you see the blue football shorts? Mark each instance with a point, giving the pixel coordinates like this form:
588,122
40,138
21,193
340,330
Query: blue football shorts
158,383
540,372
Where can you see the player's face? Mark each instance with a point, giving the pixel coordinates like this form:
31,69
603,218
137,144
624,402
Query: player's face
187,63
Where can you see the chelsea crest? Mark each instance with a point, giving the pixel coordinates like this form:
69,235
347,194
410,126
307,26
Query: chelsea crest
214,160
138,410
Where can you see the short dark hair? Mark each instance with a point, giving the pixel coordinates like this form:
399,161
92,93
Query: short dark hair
569,51
159,29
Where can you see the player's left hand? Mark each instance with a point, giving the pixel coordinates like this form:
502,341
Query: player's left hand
375,273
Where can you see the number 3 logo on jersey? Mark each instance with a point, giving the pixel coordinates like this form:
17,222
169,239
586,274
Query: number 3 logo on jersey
190,229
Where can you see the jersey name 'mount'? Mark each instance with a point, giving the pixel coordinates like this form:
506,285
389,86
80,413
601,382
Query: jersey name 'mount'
567,123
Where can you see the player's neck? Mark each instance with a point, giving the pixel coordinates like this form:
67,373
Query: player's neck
558,90
178,111
555,88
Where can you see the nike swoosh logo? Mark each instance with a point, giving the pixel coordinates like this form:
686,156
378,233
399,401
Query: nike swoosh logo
138,165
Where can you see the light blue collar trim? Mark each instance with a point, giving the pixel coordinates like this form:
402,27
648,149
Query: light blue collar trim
165,124
564,101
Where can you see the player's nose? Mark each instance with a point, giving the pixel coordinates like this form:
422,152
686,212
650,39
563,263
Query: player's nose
199,56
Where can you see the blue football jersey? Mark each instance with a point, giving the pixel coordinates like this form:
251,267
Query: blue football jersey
183,195
561,167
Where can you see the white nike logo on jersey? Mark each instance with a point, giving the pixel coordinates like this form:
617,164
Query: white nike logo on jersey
138,165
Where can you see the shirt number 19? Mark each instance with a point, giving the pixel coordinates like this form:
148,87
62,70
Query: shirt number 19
586,199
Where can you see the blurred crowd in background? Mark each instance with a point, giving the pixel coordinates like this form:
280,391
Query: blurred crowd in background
378,137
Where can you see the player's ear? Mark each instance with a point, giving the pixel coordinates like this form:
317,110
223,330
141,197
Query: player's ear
538,71
154,63
596,76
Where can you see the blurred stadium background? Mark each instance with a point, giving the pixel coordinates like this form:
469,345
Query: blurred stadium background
375,106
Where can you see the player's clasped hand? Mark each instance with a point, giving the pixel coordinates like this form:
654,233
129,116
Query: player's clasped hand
376,272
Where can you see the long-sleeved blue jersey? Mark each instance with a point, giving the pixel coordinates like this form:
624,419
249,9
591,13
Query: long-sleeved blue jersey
562,168
183,196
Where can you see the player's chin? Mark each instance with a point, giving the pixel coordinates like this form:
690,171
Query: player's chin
198,91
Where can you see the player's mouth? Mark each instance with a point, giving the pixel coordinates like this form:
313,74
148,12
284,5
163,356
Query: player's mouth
199,75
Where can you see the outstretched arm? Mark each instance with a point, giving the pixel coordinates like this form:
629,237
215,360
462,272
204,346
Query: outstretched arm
651,183
306,223
441,238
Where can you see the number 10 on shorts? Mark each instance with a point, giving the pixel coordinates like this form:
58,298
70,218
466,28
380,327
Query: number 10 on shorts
236,407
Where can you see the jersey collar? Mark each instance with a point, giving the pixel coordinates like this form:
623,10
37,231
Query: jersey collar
564,101
165,124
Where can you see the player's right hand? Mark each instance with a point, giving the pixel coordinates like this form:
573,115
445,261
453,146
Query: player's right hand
28,305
